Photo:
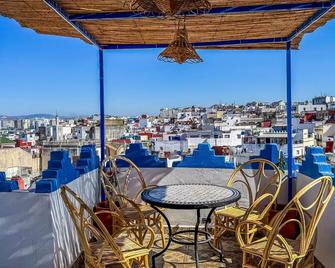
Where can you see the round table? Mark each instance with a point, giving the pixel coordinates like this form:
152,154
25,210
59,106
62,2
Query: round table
189,197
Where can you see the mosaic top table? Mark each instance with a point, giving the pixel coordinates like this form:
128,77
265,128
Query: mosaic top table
189,197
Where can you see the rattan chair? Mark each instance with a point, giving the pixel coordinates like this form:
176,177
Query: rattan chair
260,179
116,181
99,247
272,248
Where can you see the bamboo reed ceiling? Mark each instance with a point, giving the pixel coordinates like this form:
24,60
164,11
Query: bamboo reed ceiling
35,14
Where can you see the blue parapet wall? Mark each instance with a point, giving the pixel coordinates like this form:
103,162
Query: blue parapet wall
7,185
89,160
315,164
61,171
204,157
271,153
141,157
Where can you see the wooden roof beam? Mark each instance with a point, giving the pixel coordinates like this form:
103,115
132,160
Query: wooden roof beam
56,8
313,19
202,44
213,11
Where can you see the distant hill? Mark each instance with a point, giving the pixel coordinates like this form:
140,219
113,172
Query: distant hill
28,116
33,116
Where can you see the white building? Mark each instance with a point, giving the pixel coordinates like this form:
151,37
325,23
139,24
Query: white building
170,146
79,132
323,100
25,124
31,137
61,133
231,138
324,133
145,123
169,113
8,124
185,116
309,107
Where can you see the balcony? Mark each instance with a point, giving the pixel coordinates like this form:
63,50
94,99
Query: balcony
39,232
36,228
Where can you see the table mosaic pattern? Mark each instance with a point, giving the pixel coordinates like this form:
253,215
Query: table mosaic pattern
190,196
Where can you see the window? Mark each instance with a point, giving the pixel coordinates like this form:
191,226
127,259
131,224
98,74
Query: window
238,136
227,136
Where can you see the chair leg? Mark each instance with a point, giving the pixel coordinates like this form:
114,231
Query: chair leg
244,260
126,265
146,261
217,232
161,230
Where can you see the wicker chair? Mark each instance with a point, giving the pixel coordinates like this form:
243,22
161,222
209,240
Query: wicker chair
261,179
115,181
100,248
272,248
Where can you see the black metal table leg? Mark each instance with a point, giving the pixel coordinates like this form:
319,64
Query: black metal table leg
170,236
185,197
208,220
196,232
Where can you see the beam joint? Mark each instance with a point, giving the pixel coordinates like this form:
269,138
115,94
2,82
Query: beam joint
313,19
57,9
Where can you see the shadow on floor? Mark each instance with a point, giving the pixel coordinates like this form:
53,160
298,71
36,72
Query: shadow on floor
182,256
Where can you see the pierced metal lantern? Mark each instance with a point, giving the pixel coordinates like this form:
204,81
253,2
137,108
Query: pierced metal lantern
180,50
171,7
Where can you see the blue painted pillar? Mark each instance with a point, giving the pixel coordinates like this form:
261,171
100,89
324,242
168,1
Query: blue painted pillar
102,104
289,120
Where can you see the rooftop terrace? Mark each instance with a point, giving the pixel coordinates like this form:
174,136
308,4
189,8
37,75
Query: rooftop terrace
43,235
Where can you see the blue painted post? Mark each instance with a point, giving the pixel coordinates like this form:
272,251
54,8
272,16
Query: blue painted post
102,105
102,113
289,120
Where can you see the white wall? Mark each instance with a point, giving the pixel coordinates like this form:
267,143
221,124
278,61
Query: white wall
36,229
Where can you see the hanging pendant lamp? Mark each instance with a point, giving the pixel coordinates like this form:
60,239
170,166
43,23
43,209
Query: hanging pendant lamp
180,49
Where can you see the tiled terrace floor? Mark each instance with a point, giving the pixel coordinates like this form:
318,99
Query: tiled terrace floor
182,256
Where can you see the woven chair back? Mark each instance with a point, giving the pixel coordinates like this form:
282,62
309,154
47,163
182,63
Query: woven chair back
259,180
88,226
309,203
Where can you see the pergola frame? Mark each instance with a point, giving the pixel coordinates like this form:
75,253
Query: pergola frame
322,8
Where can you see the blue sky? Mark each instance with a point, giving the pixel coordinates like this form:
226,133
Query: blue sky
45,74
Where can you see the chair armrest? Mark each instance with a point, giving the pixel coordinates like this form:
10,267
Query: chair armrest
134,205
250,224
134,229
270,233
113,214
255,205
